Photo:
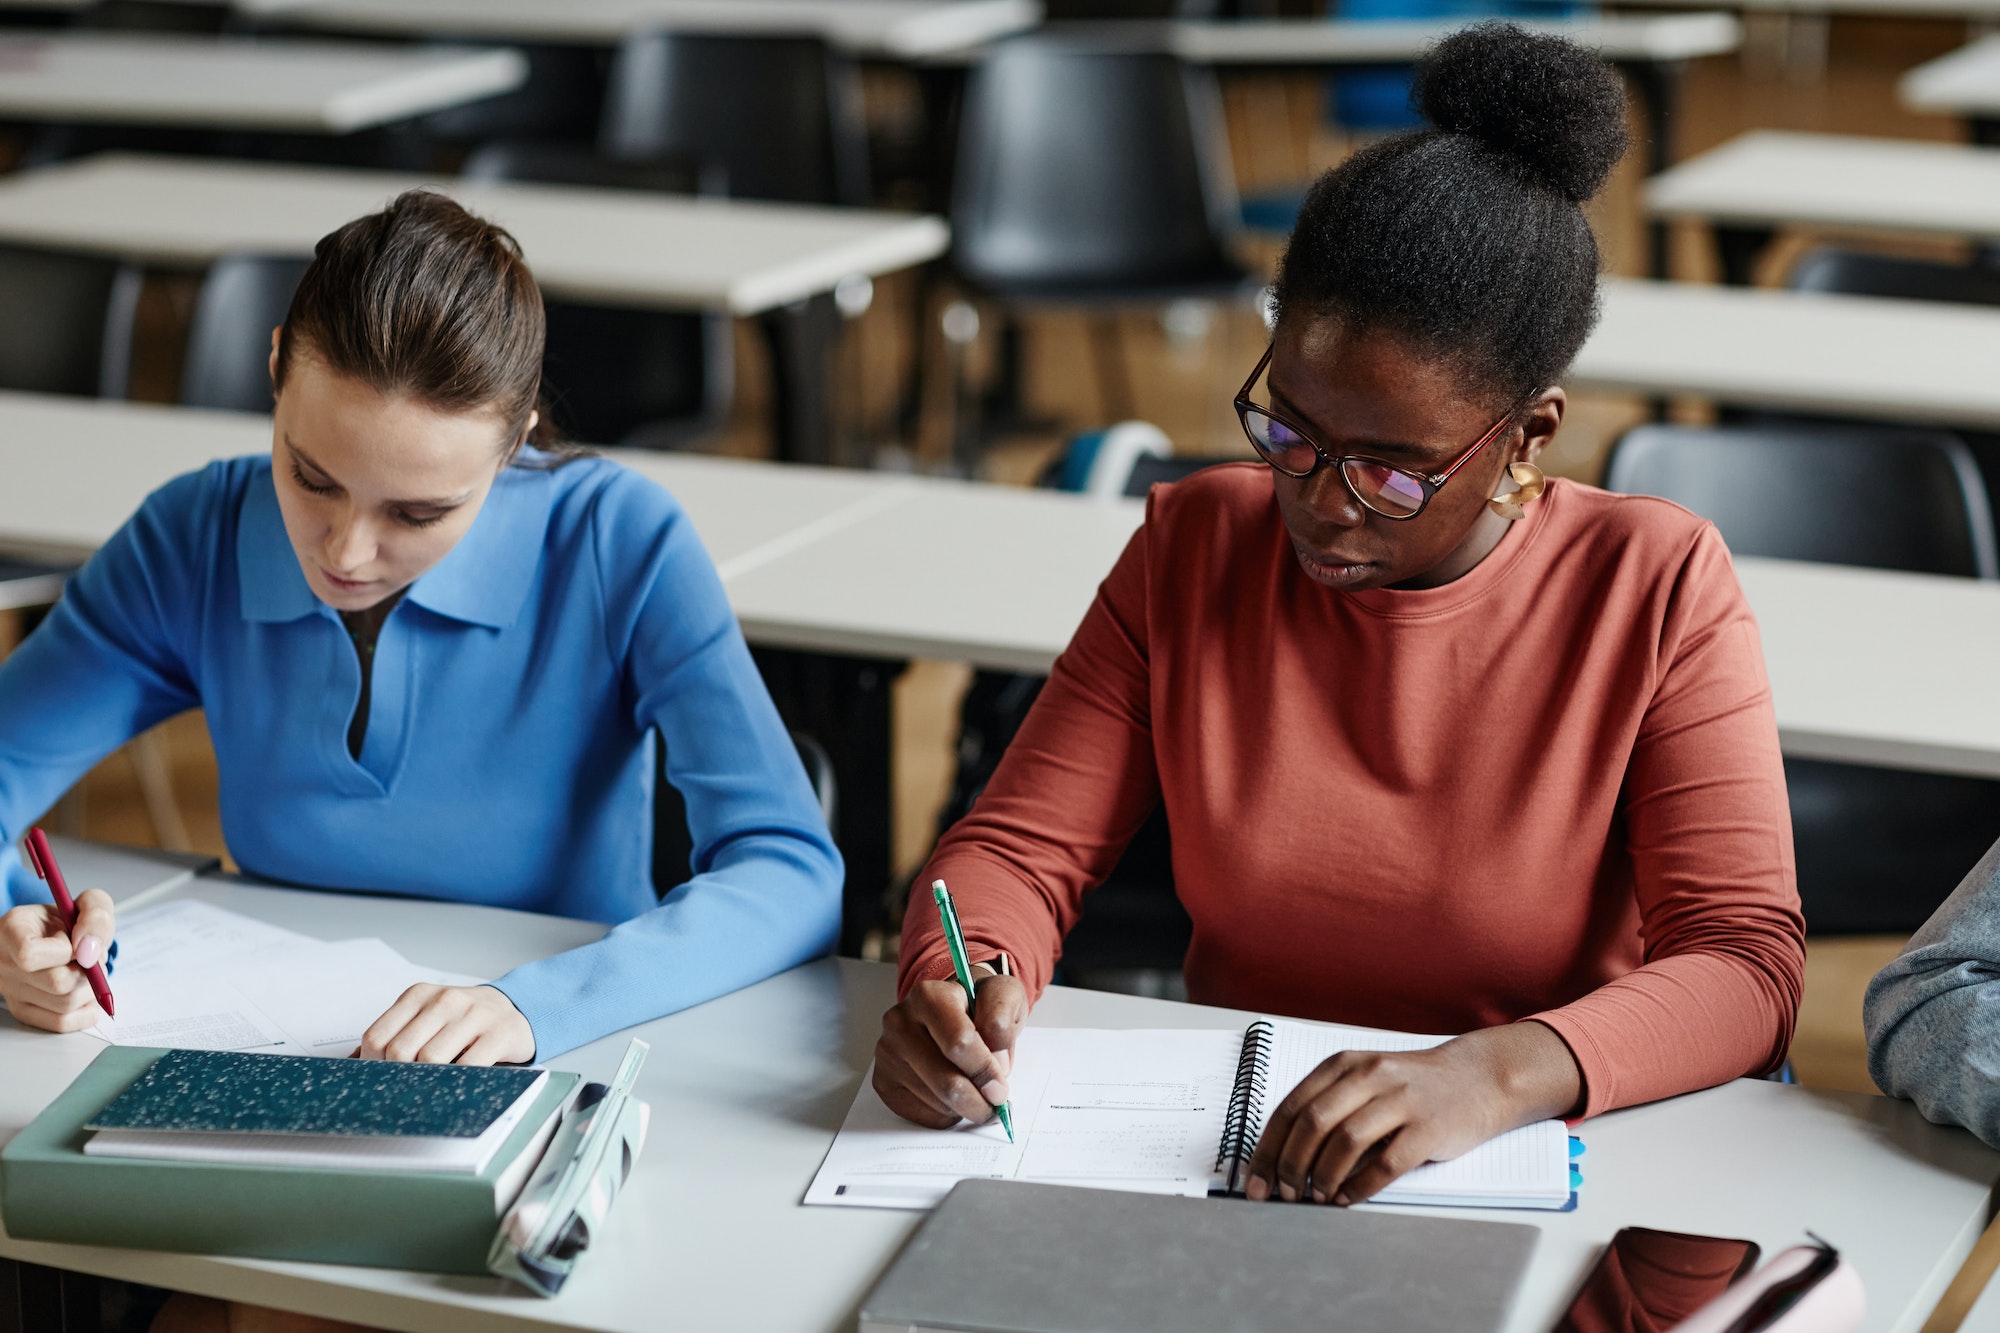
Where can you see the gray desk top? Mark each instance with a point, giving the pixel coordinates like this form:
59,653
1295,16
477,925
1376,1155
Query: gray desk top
620,247
1847,182
1964,83
238,83
747,1092
892,28
1901,361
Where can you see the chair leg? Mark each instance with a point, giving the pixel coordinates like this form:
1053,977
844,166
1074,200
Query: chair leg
1114,385
156,785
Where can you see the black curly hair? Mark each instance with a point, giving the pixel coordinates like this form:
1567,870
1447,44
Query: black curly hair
1468,239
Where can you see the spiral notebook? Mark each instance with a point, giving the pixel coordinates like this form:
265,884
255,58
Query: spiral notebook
1164,1111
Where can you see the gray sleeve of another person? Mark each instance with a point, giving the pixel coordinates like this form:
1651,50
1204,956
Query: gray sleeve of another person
1933,1015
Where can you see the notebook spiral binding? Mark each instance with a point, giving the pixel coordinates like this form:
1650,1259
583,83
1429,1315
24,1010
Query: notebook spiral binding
1241,1123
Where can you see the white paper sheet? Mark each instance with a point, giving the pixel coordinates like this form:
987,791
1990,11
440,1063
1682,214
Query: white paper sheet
1139,1110
195,976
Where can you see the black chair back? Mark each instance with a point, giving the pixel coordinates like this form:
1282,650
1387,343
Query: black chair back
780,115
612,374
68,325
561,162
242,299
1086,162
1852,273
1884,497
1150,470
560,97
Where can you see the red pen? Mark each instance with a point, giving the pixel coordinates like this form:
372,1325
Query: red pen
43,858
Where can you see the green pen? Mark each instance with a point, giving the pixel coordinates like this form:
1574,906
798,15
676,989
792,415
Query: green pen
954,938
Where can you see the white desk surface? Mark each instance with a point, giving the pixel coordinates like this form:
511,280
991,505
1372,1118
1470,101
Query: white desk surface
1775,177
1905,361
619,247
1661,38
1964,83
897,28
133,876
1970,10
1866,666
747,1091
234,83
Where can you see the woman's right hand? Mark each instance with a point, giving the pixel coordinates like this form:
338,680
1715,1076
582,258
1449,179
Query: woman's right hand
37,980
936,1064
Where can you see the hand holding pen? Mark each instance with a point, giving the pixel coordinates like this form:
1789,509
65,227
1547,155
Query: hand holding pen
52,955
936,1063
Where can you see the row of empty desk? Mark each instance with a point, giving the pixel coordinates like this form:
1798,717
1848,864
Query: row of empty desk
1866,666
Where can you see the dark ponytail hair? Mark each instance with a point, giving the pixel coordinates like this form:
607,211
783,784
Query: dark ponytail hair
427,300
1469,239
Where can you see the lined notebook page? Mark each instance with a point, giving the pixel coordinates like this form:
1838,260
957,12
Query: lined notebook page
1528,1166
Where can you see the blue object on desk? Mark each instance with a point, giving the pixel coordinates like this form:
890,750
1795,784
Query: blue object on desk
518,687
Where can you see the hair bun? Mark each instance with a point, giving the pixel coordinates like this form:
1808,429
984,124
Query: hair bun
1552,106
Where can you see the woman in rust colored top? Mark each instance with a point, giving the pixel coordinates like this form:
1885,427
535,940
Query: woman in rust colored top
1442,749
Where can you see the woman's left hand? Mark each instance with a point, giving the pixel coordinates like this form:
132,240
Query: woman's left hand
1363,1118
441,1025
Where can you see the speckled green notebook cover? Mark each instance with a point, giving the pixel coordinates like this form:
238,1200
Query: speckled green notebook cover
231,1092
430,1221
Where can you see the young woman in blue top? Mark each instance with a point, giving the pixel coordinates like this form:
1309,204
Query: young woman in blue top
433,659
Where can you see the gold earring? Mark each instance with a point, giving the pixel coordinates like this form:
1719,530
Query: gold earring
1527,486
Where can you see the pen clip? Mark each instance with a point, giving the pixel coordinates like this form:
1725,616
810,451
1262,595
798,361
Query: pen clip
35,854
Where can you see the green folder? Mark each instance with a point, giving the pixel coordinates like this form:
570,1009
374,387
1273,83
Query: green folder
430,1221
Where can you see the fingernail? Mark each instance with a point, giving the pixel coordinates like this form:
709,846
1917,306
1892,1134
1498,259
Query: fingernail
1258,1190
1319,1196
994,1091
88,951
1287,1193
1341,1200
1005,1059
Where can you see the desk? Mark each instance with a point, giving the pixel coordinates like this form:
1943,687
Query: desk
225,83
1965,83
775,261
133,876
1650,51
747,1092
1768,178
891,28
1905,361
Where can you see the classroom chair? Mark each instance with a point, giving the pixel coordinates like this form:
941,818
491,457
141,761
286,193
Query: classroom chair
1093,174
1858,273
561,98
782,116
1878,849
227,362
69,322
656,379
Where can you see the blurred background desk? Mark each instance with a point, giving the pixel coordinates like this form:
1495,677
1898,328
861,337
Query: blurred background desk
614,247
899,28
1965,83
1766,179
170,79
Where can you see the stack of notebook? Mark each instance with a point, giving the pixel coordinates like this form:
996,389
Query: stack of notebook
271,1156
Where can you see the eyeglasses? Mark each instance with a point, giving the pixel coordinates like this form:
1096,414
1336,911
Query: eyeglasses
1390,491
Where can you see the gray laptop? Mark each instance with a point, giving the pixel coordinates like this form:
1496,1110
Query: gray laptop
1005,1257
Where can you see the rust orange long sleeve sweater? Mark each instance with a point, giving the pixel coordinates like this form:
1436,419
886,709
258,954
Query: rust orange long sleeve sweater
1549,789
